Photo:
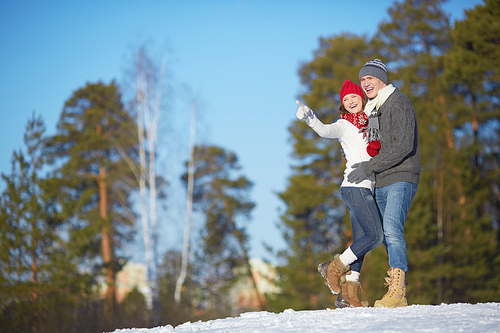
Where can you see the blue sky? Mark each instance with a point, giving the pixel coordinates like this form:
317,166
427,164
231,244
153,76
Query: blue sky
239,60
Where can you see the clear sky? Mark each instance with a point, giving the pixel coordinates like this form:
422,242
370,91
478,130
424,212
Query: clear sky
240,60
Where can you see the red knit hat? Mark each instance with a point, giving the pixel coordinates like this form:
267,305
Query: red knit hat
349,87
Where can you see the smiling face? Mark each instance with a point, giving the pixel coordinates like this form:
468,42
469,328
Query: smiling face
371,85
353,103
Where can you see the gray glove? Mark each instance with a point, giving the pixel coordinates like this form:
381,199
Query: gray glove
357,175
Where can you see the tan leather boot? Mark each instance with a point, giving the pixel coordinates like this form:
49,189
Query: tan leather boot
348,298
395,296
331,272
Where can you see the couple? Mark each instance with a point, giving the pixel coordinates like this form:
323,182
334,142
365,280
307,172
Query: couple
380,143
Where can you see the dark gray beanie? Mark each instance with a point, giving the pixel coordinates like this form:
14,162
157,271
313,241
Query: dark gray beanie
375,68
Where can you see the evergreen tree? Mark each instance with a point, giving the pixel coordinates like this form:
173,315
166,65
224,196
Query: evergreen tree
315,224
188,309
445,235
24,225
223,199
473,70
92,180
414,42
450,241
134,310
38,275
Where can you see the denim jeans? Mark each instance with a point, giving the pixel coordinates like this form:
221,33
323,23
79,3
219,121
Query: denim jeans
394,202
366,222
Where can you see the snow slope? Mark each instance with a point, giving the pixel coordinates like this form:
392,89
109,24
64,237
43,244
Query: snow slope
459,317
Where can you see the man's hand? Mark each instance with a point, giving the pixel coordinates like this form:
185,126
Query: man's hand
303,112
357,175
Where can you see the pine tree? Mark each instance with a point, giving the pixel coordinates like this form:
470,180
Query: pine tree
188,309
315,225
222,197
92,181
134,310
37,273
445,235
414,42
472,69
447,238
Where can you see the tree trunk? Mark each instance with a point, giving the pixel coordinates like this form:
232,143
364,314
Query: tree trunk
107,252
313,298
246,259
254,283
34,270
187,230
142,177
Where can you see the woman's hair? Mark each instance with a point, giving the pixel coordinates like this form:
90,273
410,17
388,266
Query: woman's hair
342,109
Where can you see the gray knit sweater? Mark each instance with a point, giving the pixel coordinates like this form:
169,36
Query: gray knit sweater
399,157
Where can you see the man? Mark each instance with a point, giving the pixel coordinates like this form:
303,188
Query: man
396,169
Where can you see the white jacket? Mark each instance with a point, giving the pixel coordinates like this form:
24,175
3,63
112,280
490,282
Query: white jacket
352,143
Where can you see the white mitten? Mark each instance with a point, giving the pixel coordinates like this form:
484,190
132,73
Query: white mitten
304,112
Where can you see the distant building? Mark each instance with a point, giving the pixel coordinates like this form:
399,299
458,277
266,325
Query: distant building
243,295
132,275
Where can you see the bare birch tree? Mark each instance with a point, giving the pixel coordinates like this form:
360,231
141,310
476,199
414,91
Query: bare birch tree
187,230
148,92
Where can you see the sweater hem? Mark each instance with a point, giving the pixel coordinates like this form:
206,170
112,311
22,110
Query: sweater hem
396,178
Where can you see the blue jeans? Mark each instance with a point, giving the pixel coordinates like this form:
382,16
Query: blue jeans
366,222
394,202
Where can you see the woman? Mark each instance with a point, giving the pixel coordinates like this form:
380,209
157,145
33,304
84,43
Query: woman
341,274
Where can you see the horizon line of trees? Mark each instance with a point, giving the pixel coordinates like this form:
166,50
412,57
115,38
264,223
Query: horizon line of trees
67,207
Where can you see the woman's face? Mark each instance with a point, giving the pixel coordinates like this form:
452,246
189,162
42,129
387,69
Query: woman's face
353,103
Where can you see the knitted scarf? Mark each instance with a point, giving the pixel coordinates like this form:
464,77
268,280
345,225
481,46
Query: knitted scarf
360,120
372,132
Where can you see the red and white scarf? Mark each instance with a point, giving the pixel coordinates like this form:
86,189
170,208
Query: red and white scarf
360,120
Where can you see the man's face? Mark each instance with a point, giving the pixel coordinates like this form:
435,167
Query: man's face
371,85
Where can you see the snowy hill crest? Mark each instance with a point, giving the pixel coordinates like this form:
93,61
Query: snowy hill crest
461,317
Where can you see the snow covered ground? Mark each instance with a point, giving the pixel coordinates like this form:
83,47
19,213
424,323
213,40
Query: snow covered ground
459,317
